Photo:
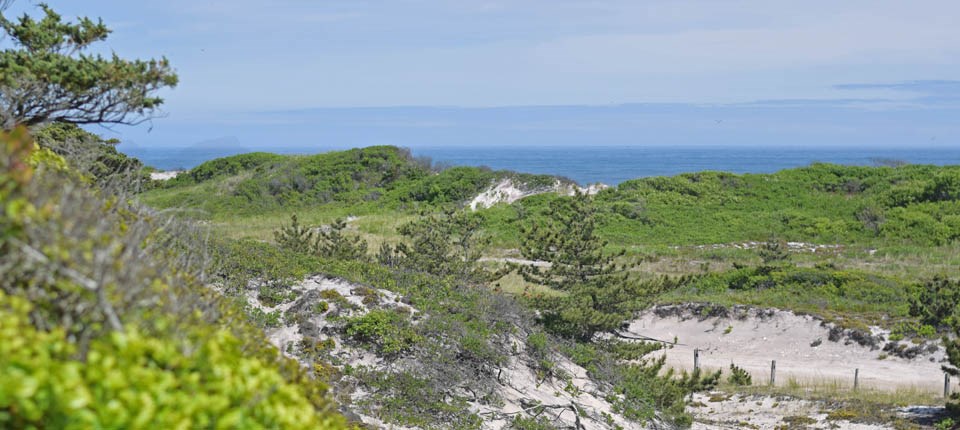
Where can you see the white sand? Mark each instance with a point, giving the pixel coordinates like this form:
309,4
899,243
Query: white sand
506,191
752,343
163,176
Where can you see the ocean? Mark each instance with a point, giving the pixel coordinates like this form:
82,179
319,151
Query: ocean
613,165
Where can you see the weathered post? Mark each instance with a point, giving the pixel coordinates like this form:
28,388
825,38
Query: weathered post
773,372
696,359
946,385
856,379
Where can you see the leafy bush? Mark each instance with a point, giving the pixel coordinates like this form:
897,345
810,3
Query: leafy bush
121,328
936,302
824,291
389,331
646,391
411,400
532,423
131,380
94,158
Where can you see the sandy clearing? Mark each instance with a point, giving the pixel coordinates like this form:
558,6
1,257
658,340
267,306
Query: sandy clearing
786,337
816,248
519,385
519,261
163,176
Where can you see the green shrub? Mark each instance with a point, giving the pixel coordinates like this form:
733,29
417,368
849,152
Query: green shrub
532,423
121,329
390,332
537,344
129,380
936,302
410,400
739,376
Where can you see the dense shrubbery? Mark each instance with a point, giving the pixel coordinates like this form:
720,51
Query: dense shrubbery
937,303
389,176
822,291
131,380
444,243
821,203
95,158
389,331
120,329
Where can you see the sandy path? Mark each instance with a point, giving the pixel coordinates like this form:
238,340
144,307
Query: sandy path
519,261
785,337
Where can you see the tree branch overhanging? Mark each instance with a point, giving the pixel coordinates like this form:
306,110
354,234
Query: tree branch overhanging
46,77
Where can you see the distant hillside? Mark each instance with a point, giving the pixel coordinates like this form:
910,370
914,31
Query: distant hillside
378,175
822,203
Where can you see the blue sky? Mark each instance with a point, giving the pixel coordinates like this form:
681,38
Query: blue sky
324,74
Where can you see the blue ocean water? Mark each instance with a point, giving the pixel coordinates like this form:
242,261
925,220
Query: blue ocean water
614,164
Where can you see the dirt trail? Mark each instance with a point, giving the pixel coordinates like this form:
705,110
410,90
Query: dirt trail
752,339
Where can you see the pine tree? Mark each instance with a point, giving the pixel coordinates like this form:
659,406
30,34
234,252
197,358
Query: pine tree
446,244
568,241
333,243
390,256
296,237
599,294
774,251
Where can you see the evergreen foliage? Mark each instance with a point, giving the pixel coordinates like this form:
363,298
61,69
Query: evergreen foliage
94,157
937,302
774,250
47,77
296,238
739,376
599,294
335,243
568,239
448,242
332,242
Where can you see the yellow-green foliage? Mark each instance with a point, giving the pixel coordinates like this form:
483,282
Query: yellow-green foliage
134,381
104,325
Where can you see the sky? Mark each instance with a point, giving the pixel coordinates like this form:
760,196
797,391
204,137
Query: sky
323,74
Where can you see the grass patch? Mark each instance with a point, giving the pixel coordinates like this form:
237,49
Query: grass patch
836,391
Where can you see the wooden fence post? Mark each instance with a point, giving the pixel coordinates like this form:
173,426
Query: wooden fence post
856,379
696,358
946,385
773,373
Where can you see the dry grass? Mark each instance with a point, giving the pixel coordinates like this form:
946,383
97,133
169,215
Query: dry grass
841,391
514,284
